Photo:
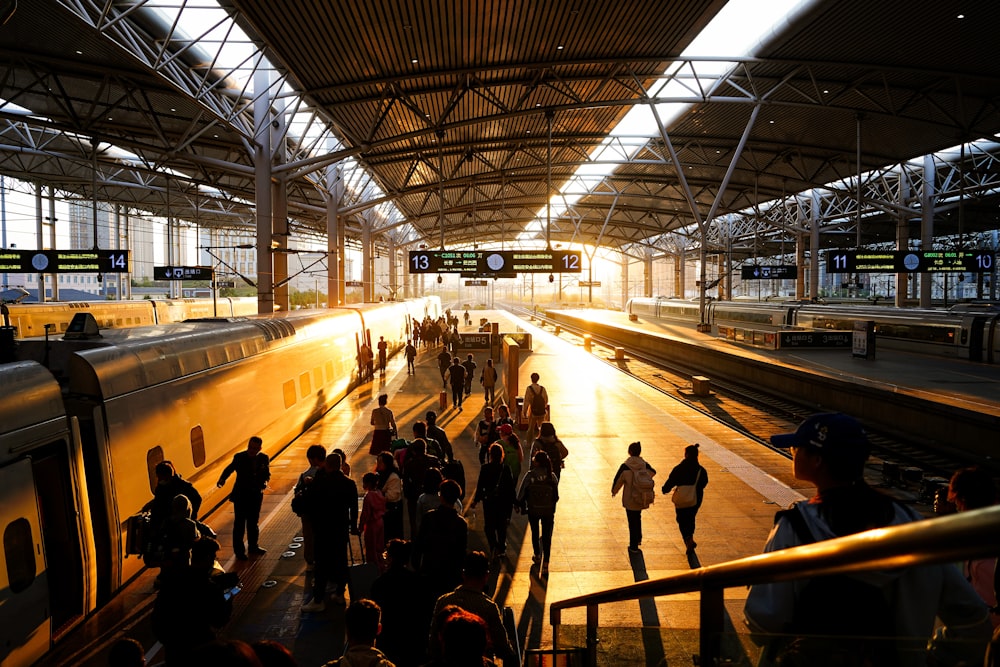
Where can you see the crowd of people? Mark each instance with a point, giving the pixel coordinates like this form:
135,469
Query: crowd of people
430,604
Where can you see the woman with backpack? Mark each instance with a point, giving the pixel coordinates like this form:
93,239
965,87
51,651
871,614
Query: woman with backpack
537,496
636,477
548,442
687,473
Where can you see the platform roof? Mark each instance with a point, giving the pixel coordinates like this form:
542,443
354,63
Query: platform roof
468,114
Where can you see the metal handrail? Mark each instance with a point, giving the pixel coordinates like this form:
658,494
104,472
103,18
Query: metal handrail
974,534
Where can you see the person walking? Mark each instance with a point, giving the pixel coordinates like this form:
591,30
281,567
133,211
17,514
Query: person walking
440,546
486,433
537,496
536,403
411,354
548,442
488,378
385,427
390,483
437,433
316,455
333,510
496,490
252,468
635,479
444,361
456,377
513,453
688,473
372,520
383,349
470,372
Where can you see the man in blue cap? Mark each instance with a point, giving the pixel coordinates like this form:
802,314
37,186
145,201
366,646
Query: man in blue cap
879,618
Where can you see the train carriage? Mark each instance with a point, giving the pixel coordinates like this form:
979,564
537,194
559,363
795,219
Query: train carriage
78,460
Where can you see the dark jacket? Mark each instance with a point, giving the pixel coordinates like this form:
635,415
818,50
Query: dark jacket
252,475
685,473
163,498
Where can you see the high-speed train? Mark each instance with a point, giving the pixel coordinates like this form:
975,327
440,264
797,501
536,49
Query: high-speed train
967,331
79,439
29,319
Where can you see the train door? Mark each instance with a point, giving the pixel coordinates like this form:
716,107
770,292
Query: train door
64,561
972,336
24,600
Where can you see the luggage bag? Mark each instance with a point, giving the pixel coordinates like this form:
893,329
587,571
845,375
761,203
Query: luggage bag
360,575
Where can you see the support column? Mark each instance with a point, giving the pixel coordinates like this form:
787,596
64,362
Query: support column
334,238
814,218
647,273
680,274
392,253
725,286
624,292
902,235
262,186
367,266
40,236
927,199
279,211
116,244
54,277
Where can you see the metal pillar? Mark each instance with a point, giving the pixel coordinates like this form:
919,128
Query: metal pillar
334,237
41,238
262,187
927,198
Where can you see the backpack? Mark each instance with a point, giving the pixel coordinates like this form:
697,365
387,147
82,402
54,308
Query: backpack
541,495
839,616
537,401
643,489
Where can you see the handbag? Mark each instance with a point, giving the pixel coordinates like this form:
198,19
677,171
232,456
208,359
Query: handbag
686,495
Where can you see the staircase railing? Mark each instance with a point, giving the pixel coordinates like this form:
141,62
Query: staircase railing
953,538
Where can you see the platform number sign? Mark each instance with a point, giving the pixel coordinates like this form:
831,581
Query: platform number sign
64,261
909,261
493,263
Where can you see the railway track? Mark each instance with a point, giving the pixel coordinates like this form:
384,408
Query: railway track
910,469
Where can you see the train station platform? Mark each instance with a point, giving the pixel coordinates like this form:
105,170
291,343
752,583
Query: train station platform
597,413
941,379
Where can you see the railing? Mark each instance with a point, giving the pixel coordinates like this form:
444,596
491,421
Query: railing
952,538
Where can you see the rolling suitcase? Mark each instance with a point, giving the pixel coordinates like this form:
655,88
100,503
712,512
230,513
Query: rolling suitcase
137,534
360,575
443,400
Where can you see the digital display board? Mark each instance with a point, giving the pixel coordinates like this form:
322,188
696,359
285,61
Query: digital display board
780,272
488,263
909,261
183,272
64,261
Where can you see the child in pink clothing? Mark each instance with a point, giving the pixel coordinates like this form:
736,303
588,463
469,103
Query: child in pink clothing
370,522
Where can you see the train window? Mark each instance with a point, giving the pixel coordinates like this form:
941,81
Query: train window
19,553
289,390
198,446
318,377
329,371
304,384
153,457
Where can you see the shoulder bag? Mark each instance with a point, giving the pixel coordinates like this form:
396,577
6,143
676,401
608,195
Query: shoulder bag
686,495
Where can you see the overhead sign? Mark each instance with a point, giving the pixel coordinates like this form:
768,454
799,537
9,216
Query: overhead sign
779,272
909,261
495,262
590,283
476,283
64,261
183,273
